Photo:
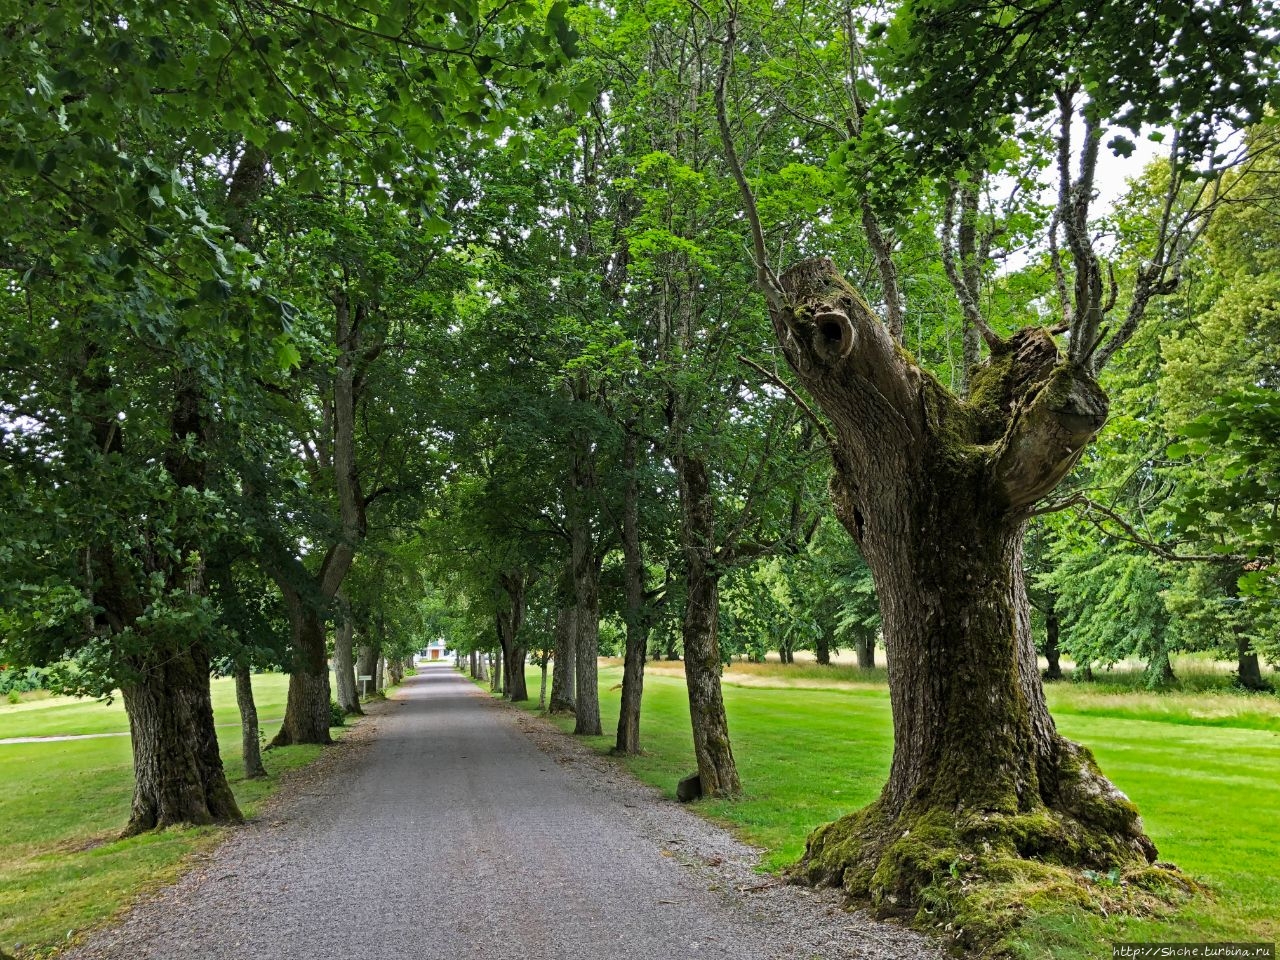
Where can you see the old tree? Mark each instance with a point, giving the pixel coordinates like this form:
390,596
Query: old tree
937,486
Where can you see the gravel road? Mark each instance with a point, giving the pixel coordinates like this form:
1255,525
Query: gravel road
451,827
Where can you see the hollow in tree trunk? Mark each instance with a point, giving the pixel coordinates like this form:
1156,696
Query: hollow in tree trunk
250,747
565,659
936,491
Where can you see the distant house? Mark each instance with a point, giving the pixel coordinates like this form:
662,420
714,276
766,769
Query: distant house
435,650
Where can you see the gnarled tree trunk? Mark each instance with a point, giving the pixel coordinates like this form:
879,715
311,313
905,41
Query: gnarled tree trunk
937,492
1248,673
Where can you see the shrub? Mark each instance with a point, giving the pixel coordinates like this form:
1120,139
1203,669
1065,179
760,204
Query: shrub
23,680
337,717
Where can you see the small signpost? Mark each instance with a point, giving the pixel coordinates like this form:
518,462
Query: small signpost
364,688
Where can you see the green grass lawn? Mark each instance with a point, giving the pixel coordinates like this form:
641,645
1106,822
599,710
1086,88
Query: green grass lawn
63,804
1204,773
54,716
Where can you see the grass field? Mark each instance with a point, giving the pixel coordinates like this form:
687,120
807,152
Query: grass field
1204,770
55,716
62,867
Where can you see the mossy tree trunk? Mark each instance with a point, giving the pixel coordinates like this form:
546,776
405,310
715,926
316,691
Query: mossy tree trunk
937,492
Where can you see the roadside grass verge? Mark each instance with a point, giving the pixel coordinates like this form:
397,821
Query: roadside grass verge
63,868
1208,788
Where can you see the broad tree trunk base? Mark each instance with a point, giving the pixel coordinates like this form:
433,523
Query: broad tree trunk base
307,714
970,871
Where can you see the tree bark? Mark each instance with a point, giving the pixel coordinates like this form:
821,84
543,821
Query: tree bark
637,609
586,701
1248,672
716,766
306,714
586,576
344,666
822,648
563,689
177,768
936,491
867,652
367,666
497,683
542,690
1160,670
250,747
510,618
473,665
1052,653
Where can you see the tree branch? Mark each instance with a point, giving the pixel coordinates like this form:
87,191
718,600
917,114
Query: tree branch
765,277
824,431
